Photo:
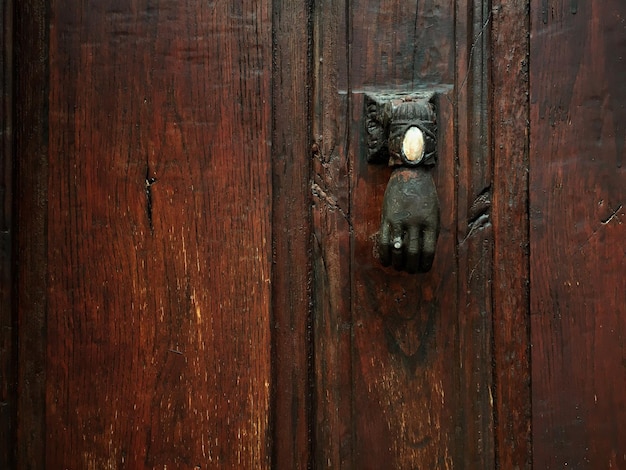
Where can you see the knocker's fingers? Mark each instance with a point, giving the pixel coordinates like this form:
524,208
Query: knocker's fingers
413,250
384,243
428,251
397,247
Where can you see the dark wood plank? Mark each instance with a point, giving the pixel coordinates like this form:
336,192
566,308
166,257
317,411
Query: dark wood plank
331,241
405,326
291,235
421,368
159,235
8,352
474,233
31,157
577,233
405,330
511,316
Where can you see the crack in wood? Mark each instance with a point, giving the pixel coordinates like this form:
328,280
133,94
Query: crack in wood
479,214
481,205
330,201
473,48
150,180
614,215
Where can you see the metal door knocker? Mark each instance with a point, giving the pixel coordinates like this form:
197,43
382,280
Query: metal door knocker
402,131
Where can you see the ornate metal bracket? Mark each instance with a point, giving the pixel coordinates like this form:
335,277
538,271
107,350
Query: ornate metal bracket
401,130
392,119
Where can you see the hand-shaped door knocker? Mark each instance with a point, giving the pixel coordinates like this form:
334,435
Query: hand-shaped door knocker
402,130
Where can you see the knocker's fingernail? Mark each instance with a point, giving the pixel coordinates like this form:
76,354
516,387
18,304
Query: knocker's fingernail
397,243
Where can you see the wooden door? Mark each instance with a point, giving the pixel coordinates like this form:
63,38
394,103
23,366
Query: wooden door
188,222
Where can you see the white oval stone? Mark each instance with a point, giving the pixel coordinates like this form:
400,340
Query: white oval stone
413,144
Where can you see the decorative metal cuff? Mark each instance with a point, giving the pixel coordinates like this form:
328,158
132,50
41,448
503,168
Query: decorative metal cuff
401,129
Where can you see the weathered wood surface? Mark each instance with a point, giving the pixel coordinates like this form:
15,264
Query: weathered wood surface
330,189
31,161
159,235
511,321
8,404
578,233
291,235
403,363
474,235
160,329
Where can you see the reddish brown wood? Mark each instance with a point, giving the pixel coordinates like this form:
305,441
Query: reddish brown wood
403,374
511,322
330,190
8,405
31,158
577,233
291,234
405,392
152,259
474,233
159,235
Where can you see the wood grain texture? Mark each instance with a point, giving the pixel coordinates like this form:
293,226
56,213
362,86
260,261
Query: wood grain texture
577,233
159,235
403,373
31,158
8,352
511,319
405,326
474,233
291,235
405,331
330,190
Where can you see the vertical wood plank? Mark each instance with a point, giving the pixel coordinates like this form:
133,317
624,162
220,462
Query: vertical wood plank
31,157
421,367
406,334
474,232
8,352
509,103
405,325
159,235
577,233
330,188
291,229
